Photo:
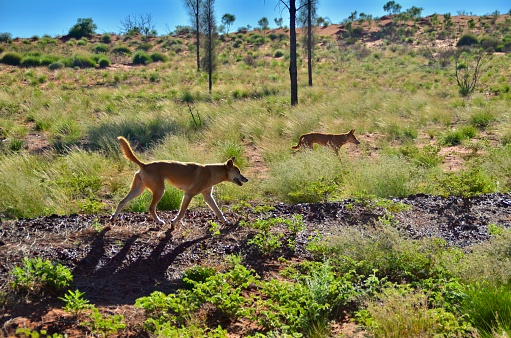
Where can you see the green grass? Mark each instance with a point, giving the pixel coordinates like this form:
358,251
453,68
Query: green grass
403,111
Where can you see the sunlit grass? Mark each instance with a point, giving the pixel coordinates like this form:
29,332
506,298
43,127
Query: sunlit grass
388,96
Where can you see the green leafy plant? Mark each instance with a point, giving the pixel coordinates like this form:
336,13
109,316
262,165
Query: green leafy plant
11,58
27,332
75,303
197,274
37,275
214,228
104,325
265,239
141,58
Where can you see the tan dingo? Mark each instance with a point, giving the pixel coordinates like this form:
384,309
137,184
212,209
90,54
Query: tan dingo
335,141
191,178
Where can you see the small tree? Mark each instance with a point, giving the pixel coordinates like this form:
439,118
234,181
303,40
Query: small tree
468,69
228,20
278,22
263,23
392,7
208,25
83,28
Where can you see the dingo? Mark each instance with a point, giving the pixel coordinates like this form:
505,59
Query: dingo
335,141
191,178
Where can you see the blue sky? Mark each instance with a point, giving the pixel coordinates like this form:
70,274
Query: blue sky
55,17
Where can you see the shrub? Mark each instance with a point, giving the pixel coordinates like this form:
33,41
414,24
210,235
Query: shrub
310,176
83,27
104,62
159,57
426,156
82,61
197,274
455,137
82,42
56,65
47,60
121,50
106,38
407,313
467,40
100,48
141,58
278,54
466,183
12,58
146,46
30,61
481,119
75,303
5,37
490,43
35,275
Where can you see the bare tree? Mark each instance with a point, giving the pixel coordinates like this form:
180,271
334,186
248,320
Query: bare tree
194,8
142,24
208,21
468,69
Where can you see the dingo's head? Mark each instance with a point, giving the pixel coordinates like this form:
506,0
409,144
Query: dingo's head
234,174
352,138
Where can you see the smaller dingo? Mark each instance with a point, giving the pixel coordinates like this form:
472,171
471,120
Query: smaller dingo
334,141
191,178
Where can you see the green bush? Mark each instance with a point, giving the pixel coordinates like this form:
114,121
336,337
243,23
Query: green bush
56,65
278,54
121,50
83,27
490,43
141,58
146,46
37,275
197,274
5,37
455,137
467,183
82,42
482,119
106,38
159,57
467,40
104,62
402,312
82,61
47,60
30,61
100,48
12,59
427,156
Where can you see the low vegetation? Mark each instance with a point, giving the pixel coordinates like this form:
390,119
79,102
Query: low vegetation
63,104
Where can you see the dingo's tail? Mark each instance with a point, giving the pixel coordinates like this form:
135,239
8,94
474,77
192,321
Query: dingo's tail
299,143
128,152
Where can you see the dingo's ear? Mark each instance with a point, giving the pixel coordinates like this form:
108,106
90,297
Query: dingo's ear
230,162
352,131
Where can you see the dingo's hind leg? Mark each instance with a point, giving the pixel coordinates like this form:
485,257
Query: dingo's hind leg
137,187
